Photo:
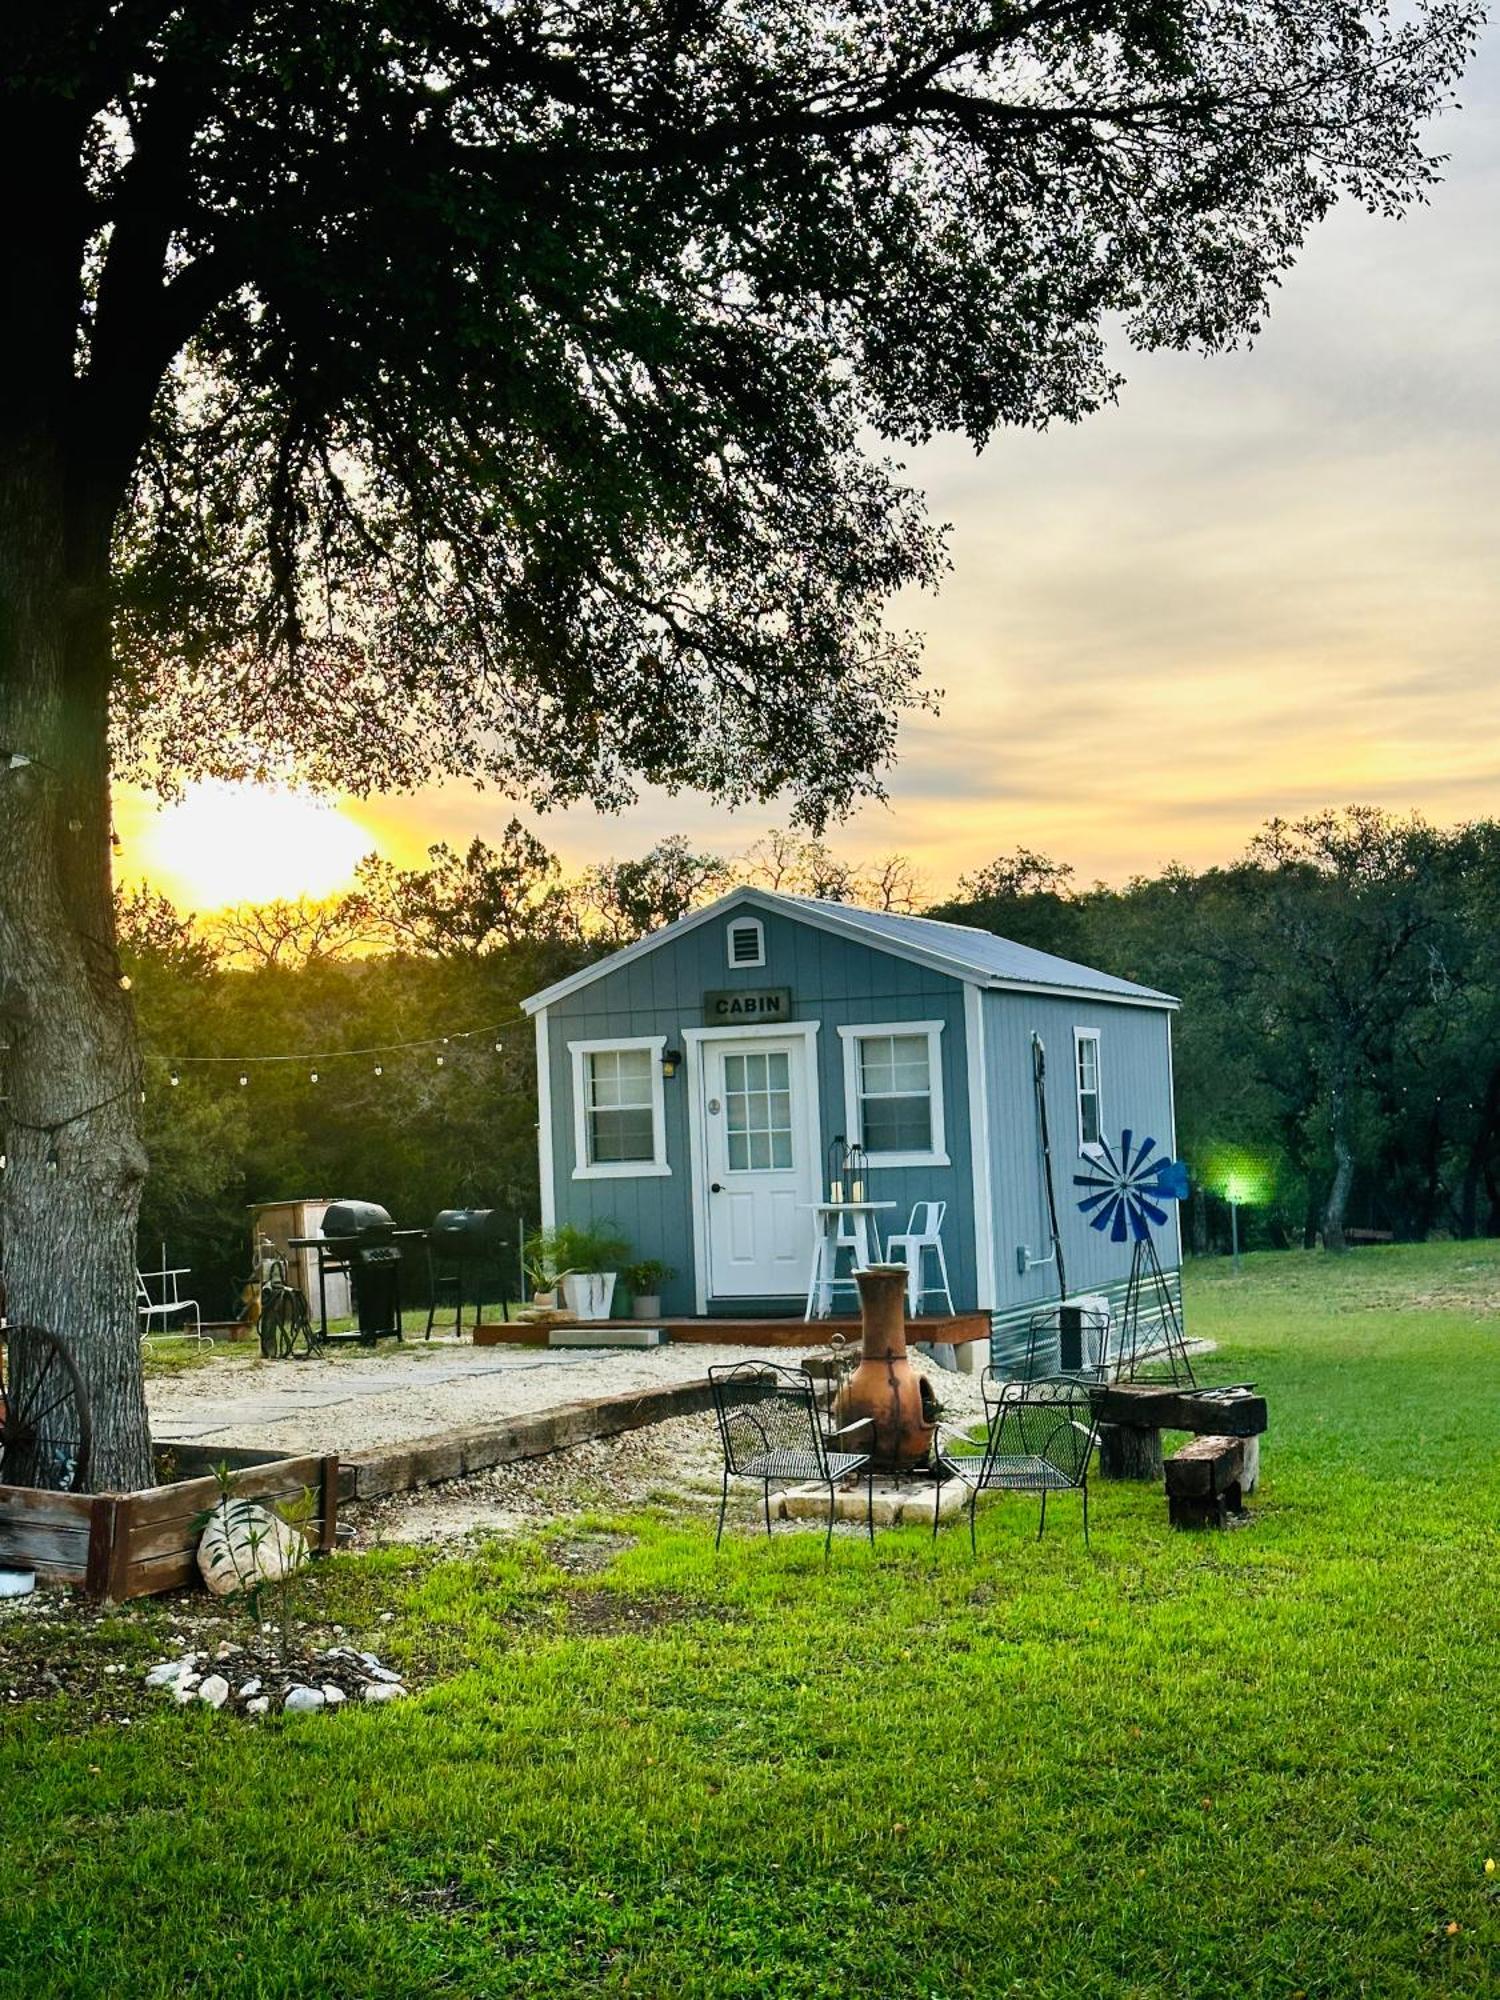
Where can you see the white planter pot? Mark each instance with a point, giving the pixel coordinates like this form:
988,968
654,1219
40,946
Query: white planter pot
589,1294
647,1305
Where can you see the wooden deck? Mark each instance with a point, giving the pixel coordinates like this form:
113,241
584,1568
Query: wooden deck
957,1330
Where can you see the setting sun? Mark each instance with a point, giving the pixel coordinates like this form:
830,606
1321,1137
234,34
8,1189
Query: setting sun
222,844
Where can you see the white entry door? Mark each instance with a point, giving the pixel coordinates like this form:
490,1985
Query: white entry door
761,1180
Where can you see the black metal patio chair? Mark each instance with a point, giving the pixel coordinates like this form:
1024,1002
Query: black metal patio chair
1039,1439
772,1432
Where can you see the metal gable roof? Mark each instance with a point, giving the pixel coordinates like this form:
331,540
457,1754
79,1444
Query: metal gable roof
978,957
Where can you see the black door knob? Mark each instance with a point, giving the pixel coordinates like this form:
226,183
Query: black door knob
714,1187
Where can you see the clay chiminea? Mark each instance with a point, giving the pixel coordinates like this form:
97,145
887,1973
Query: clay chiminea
885,1387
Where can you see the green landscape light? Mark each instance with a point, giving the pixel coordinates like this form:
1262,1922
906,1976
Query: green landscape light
1241,1179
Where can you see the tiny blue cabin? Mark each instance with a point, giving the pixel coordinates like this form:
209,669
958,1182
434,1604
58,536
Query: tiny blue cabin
693,1087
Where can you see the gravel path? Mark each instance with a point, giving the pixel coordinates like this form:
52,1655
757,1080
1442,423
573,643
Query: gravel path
356,1400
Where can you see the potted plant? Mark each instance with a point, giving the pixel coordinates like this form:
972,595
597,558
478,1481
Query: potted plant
539,1263
645,1280
584,1259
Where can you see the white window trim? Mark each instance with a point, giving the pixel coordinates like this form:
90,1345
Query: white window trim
1092,1150
745,924
851,1037
619,1170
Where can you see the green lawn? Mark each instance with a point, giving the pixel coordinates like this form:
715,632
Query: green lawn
1256,1763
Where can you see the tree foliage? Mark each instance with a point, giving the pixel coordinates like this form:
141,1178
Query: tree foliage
494,382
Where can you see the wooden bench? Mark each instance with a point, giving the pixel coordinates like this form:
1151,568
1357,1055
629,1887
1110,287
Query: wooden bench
1369,1236
1133,1415
1204,1482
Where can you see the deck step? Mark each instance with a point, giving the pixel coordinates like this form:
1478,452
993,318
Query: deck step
605,1333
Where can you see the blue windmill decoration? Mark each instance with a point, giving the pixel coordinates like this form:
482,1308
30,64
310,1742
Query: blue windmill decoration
1125,1195
1126,1190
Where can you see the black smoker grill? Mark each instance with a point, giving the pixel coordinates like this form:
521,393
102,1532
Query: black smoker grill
463,1246
360,1238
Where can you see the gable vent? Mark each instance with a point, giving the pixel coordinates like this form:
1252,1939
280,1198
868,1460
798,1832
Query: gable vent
747,942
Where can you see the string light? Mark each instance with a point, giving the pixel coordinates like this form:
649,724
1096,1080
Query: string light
314,1058
313,1076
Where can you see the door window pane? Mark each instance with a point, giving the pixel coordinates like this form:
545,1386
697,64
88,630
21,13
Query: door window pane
758,1112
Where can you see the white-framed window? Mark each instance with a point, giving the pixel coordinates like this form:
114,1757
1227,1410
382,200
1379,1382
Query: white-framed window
619,1108
745,942
893,1092
1087,1080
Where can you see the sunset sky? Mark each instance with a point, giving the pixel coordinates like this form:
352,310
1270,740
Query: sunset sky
1264,582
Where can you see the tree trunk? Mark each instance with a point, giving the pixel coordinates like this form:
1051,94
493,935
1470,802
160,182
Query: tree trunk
1468,1212
1343,1174
69,1058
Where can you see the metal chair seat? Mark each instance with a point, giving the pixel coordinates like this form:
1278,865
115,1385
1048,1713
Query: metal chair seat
1026,1472
801,1465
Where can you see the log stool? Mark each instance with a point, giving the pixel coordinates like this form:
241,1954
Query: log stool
1203,1482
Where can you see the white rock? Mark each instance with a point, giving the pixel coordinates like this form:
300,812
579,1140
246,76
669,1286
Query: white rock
17,1582
166,1674
259,1706
225,1650
333,1695
301,1700
250,1688
244,1545
183,1693
383,1674
215,1691
383,1691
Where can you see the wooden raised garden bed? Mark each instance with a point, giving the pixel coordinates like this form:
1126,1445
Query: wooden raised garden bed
120,1545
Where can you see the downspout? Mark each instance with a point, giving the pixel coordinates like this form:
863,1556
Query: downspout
1039,1082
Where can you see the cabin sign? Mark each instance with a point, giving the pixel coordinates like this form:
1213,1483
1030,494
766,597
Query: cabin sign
747,1003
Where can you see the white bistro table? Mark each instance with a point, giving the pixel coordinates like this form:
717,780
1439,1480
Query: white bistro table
829,1238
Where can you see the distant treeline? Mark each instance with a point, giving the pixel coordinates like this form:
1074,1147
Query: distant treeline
1338,1049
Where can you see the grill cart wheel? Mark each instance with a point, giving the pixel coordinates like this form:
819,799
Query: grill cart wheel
45,1425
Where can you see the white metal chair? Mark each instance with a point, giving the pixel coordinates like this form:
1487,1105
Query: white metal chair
170,1304
924,1232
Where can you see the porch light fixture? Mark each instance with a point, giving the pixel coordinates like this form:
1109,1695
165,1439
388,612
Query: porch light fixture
671,1062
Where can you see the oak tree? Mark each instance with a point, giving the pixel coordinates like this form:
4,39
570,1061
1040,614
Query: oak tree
393,387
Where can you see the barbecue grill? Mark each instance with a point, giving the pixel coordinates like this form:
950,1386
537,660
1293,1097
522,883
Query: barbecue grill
359,1238
462,1244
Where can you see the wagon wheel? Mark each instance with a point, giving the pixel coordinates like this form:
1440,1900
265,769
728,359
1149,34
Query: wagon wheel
45,1425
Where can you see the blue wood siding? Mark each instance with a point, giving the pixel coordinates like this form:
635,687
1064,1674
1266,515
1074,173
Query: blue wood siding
1135,1090
833,981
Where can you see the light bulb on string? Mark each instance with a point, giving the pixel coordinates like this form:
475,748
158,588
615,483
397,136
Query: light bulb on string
243,1080
380,1069
174,1079
440,1062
